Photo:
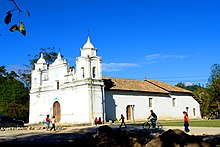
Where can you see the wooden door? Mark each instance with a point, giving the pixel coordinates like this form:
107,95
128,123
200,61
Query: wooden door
56,111
128,109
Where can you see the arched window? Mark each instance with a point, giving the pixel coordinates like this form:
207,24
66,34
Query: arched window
150,102
93,72
58,84
194,111
174,102
82,72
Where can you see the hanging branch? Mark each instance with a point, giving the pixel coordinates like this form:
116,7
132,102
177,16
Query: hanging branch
16,5
16,27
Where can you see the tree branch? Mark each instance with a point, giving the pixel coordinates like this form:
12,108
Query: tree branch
16,5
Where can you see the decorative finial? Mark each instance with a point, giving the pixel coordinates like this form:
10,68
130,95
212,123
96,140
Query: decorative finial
41,55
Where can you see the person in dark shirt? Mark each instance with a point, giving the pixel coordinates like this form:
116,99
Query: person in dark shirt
153,118
122,121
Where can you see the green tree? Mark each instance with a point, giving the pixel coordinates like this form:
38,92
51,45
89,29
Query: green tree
209,97
14,96
181,85
214,88
2,71
49,55
202,96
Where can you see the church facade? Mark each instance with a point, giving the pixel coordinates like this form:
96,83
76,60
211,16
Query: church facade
80,94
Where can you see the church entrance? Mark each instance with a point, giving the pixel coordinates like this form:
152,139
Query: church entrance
56,111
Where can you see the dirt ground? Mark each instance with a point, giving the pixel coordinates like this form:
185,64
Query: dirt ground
69,134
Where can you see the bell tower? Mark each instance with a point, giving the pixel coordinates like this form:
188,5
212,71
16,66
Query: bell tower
88,65
89,72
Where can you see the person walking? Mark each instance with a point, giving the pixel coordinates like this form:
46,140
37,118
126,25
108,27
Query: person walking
186,121
47,122
53,124
122,121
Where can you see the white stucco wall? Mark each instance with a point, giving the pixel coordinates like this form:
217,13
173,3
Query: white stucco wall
161,104
74,105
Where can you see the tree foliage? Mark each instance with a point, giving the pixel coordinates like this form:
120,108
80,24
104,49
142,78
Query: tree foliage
14,96
214,88
49,55
209,97
14,88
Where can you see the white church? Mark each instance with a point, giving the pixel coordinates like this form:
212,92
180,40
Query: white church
79,94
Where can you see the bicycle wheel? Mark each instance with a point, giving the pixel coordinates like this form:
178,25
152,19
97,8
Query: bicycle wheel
159,125
146,125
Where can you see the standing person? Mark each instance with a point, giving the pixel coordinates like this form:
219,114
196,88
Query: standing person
186,121
48,122
122,121
153,119
53,124
100,120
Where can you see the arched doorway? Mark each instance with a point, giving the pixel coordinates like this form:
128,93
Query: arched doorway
56,111
128,110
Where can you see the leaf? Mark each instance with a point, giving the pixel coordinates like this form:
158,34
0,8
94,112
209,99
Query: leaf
8,17
13,28
22,29
28,13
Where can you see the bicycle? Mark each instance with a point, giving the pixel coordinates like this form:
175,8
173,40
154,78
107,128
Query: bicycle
148,125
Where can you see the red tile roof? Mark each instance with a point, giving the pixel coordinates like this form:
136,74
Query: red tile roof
169,87
152,86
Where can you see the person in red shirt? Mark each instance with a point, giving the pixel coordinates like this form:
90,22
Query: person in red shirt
186,121
96,121
48,122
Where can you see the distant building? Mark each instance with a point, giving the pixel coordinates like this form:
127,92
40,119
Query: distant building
78,95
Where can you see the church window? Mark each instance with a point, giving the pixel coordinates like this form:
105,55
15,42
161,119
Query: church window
82,72
58,85
150,102
174,102
93,72
194,112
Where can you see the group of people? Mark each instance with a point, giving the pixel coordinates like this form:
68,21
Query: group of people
153,119
97,121
50,121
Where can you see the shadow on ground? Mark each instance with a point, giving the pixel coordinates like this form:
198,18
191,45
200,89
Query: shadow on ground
106,136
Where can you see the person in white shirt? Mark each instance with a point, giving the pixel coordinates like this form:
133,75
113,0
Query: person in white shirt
53,124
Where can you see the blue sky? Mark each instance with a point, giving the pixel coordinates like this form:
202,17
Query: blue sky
172,41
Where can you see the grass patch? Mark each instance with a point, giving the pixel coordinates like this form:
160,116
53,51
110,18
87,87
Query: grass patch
193,123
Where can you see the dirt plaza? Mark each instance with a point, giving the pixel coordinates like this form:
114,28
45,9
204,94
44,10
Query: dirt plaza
68,134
